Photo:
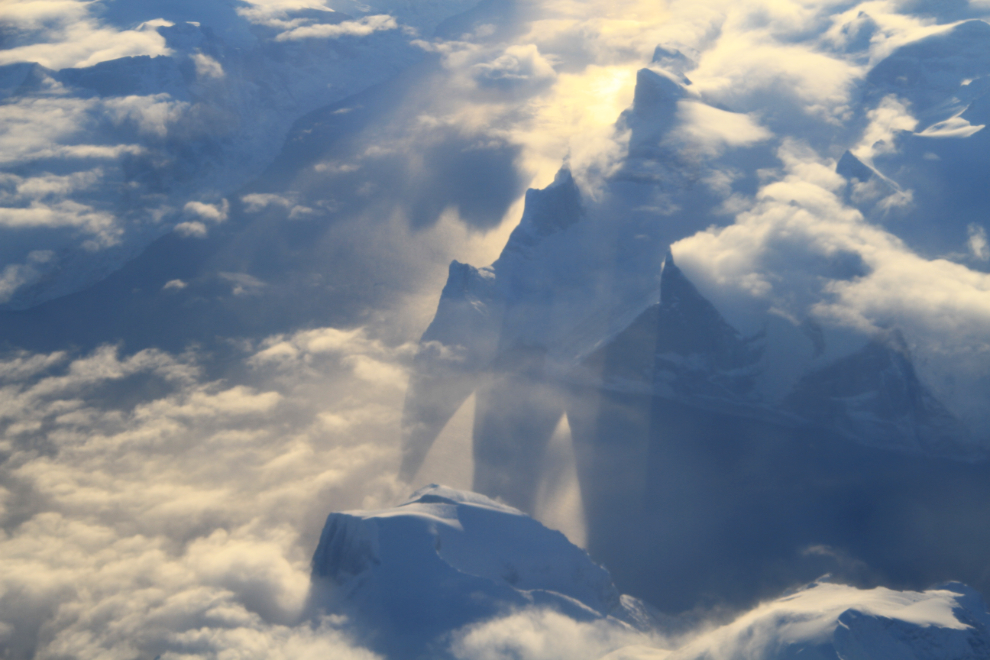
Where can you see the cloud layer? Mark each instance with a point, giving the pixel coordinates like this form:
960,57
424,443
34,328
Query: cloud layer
150,511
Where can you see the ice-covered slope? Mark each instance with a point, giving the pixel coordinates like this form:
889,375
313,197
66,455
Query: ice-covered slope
835,622
448,558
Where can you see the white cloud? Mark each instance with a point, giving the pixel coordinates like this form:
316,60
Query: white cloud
800,250
211,212
67,33
300,211
191,229
808,620
33,128
978,242
63,214
153,115
889,117
48,145
275,13
518,65
40,201
243,283
183,521
359,28
258,201
713,129
953,127
207,67
38,187
543,634
367,359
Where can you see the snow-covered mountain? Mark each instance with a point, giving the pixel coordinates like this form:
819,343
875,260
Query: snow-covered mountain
421,577
446,559
826,621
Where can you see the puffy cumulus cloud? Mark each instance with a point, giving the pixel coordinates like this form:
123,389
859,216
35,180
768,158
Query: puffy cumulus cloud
312,19
746,51
800,251
14,276
207,67
544,634
45,201
65,213
551,78
212,213
191,229
359,28
518,65
598,32
275,13
573,122
68,33
255,202
711,130
369,359
54,125
152,115
978,242
741,71
38,128
150,511
889,117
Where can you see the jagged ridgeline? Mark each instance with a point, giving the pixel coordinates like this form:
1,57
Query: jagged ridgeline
714,465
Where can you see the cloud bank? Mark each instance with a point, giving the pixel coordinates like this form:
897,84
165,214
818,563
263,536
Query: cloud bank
148,510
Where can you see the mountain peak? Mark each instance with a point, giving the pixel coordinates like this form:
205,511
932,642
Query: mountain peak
656,94
548,211
681,302
875,395
850,167
446,558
